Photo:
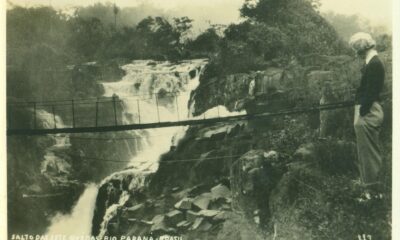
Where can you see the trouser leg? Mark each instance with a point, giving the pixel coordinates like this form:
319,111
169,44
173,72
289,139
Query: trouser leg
367,134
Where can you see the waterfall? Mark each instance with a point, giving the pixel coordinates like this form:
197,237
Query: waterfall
150,92
54,168
79,222
156,91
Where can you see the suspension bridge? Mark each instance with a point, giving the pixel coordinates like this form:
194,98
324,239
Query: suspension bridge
90,112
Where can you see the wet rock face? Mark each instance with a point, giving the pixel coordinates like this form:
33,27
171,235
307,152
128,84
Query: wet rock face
119,195
107,195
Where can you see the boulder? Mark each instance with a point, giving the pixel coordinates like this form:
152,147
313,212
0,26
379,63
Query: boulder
220,203
220,191
174,217
191,216
197,223
202,201
196,190
201,224
135,220
183,225
220,217
205,226
208,213
184,204
133,211
159,224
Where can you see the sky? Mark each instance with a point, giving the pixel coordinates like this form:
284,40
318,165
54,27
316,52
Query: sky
379,12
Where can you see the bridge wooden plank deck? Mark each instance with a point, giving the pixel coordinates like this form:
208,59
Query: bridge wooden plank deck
114,128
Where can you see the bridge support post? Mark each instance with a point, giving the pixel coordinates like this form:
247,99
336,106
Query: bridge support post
138,109
177,106
73,113
34,115
54,116
158,111
97,112
115,109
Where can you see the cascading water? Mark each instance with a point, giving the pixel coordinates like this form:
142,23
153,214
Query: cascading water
153,92
54,168
142,79
79,221
150,92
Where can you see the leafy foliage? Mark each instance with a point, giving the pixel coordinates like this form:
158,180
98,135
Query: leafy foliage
206,42
274,32
42,42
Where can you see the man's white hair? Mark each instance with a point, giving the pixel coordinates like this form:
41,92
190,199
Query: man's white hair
362,41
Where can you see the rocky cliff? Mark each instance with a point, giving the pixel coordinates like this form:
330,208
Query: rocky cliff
291,178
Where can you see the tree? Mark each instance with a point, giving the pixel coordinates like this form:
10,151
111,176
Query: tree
87,37
299,22
206,42
36,49
182,27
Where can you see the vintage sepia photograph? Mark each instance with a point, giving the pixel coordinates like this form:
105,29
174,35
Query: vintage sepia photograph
198,120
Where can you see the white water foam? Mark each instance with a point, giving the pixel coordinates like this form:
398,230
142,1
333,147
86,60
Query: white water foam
79,221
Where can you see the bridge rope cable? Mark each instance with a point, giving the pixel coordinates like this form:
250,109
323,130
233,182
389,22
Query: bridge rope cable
160,162
190,121
287,111
116,139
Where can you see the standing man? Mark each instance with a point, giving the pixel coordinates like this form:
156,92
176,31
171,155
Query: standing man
368,116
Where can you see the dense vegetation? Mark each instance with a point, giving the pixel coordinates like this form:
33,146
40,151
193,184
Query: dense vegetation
42,42
44,46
